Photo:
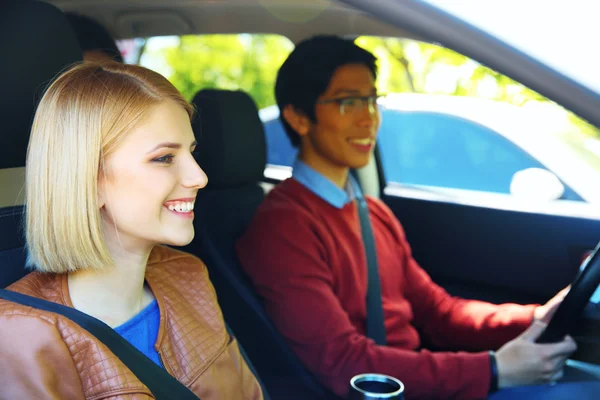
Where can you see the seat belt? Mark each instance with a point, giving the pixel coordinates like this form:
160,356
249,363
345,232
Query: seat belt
162,385
375,321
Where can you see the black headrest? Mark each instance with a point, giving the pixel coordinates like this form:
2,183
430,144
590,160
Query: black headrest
93,36
231,138
36,43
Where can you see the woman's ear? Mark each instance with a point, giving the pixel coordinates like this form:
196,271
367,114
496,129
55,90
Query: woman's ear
297,120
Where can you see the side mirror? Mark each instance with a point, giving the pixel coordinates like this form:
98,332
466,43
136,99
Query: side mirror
536,184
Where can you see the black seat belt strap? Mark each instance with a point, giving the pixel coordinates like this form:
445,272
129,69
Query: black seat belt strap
162,385
375,320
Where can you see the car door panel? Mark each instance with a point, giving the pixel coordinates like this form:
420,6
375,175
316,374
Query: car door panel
493,254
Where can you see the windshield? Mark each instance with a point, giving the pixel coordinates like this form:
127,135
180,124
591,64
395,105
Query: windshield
561,34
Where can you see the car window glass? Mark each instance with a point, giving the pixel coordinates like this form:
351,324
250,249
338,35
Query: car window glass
280,151
433,80
472,156
462,126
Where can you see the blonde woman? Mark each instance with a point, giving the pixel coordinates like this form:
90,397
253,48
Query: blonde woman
110,179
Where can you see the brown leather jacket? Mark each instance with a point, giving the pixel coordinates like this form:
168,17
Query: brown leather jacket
47,356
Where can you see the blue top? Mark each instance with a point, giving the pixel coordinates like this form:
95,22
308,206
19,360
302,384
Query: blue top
142,330
324,188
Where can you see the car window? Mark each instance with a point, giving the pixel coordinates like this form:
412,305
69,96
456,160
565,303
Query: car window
452,123
247,62
417,145
280,151
498,133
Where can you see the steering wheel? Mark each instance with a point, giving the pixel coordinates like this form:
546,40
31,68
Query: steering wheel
568,312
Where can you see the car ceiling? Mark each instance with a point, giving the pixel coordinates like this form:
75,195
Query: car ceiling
296,19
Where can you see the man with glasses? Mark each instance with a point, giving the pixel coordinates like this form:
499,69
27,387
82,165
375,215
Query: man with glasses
305,256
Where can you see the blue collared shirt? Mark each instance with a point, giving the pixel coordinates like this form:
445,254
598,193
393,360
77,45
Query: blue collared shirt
324,188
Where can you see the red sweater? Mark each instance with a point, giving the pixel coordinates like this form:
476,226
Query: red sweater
307,261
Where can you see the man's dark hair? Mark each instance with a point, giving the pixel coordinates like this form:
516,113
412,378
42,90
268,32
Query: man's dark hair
306,73
93,36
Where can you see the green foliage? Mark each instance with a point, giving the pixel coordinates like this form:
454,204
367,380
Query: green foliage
412,66
250,63
245,62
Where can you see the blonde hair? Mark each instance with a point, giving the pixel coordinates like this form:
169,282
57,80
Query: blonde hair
81,119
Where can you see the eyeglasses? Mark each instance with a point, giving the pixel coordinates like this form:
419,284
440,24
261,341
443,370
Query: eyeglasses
355,104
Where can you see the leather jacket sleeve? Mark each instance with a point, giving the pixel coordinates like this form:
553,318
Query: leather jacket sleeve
250,385
35,362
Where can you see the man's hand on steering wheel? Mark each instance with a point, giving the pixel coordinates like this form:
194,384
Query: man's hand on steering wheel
522,361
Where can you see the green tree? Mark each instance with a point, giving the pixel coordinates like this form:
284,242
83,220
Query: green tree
250,63
245,62
410,66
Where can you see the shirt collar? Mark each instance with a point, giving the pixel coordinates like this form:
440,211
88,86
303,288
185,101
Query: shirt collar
324,188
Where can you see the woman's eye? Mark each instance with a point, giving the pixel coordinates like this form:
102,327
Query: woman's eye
166,159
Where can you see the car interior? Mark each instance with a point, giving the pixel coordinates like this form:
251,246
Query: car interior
499,250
